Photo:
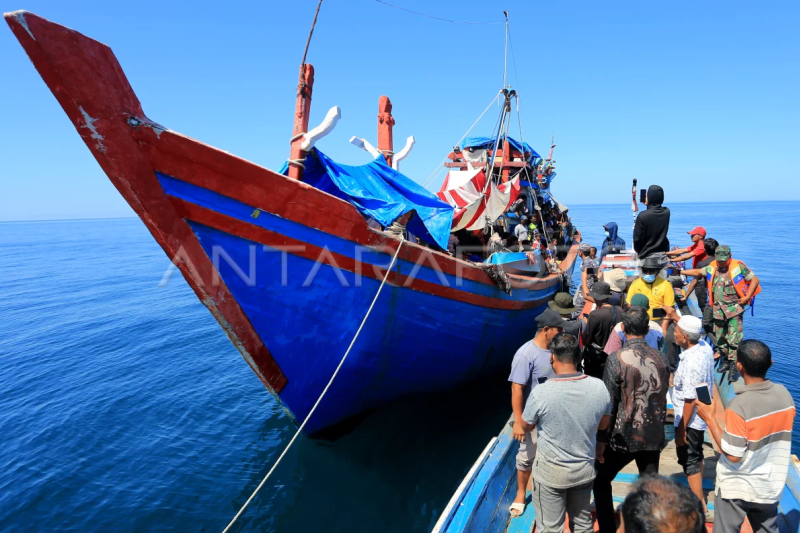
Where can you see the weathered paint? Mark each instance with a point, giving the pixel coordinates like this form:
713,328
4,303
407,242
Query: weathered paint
89,124
302,113
440,322
87,80
19,16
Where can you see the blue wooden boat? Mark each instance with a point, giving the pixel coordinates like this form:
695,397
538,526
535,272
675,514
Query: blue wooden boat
290,266
514,262
481,502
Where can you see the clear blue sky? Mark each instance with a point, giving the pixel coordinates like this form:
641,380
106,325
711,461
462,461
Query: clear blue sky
699,97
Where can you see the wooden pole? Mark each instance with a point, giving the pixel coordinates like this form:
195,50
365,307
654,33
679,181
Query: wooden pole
385,123
302,111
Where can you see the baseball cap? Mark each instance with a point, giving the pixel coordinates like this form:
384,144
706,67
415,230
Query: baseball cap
585,247
699,230
640,300
550,319
723,253
600,291
691,324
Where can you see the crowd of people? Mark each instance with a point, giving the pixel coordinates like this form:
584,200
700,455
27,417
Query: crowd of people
589,396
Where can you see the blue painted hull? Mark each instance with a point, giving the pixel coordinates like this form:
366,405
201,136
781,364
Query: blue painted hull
278,262
307,313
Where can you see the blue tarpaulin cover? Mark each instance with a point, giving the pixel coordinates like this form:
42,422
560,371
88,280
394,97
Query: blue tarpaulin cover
380,192
488,142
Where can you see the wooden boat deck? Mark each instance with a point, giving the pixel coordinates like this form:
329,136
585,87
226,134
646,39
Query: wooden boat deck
668,466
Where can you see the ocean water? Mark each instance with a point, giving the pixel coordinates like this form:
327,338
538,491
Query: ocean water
123,406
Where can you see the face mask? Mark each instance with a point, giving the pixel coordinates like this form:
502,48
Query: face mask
608,234
649,278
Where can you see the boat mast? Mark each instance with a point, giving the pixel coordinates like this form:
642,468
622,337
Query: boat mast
302,109
506,109
385,124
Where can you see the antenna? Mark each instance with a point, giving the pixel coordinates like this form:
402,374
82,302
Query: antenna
505,59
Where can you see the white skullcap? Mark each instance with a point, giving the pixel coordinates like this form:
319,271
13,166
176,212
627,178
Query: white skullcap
691,324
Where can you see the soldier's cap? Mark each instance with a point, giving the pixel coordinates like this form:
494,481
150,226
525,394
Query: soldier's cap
723,253
562,303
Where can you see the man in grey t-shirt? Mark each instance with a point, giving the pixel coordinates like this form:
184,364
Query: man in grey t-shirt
531,365
567,412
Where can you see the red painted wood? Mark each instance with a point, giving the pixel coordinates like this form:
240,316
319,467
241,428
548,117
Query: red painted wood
254,233
302,111
506,160
385,124
88,82
219,171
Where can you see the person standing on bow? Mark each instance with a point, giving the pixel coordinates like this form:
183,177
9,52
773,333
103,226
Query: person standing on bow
531,366
652,225
613,244
731,286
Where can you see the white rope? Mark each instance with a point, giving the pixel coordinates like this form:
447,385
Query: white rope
325,390
436,170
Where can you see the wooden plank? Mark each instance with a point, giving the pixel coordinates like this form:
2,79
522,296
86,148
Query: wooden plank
479,504
449,510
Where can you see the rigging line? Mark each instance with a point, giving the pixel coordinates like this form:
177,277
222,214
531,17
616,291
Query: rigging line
525,168
308,42
325,390
516,79
497,143
436,170
436,18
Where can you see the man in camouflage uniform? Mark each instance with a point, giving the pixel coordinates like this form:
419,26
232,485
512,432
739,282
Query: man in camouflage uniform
728,306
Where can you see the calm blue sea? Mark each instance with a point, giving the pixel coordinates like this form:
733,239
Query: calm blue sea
123,406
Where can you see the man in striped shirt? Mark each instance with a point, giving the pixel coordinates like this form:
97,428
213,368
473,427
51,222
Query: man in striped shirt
756,445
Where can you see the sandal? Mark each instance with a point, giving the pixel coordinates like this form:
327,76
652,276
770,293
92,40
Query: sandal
516,509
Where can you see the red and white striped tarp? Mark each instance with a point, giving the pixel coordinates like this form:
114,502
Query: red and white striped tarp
464,190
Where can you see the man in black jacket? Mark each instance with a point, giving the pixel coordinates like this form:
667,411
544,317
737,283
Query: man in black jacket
652,225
